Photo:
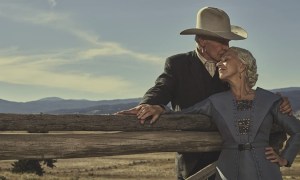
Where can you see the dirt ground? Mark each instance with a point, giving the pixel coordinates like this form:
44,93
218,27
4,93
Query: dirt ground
151,166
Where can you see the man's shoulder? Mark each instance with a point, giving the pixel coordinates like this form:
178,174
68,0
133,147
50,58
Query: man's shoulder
181,58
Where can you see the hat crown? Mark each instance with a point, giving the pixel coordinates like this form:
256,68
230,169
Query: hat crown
213,19
215,22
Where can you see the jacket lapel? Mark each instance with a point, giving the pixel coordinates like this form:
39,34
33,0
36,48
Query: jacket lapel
223,102
198,69
264,100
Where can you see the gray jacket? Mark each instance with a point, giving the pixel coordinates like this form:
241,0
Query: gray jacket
243,155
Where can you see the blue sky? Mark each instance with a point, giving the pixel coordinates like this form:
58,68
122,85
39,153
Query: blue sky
115,49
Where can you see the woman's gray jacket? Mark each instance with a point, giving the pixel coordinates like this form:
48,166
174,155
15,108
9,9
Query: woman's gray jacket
243,155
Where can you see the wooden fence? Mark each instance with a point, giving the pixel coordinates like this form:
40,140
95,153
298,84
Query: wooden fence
78,136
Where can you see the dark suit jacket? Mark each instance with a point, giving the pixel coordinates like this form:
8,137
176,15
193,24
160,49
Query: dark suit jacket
184,82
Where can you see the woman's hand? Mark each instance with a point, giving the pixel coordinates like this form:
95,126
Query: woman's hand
274,157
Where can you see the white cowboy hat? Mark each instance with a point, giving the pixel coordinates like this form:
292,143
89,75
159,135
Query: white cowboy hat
215,22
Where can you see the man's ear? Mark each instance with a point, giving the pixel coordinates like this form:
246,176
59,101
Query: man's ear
202,42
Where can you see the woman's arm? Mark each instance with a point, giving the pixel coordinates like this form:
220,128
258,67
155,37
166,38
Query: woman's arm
202,107
292,127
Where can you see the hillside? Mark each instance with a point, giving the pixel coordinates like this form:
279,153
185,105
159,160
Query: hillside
56,105
294,98
52,104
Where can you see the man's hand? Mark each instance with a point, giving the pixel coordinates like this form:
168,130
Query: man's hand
143,112
274,157
285,106
149,110
132,111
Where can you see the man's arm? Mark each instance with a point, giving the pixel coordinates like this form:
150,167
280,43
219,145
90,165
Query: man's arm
164,88
160,94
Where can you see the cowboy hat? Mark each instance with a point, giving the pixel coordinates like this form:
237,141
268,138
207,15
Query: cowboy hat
215,22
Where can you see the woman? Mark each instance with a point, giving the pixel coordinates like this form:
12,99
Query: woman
244,117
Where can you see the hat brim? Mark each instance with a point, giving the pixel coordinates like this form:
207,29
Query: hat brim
237,33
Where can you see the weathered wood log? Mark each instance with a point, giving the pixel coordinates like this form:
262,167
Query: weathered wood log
61,146
45,123
172,133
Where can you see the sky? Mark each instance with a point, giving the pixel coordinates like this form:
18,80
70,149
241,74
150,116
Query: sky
115,49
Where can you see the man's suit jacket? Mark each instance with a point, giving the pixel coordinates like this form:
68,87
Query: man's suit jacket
184,82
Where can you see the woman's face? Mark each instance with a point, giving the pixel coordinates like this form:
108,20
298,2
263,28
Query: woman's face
230,66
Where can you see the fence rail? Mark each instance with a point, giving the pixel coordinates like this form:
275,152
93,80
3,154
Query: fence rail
44,123
77,136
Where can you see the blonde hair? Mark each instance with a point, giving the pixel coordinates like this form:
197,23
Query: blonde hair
250,62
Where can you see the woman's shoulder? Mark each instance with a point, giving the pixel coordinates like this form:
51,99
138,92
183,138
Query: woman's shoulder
221,98
220,95
260,95
260,92
266,94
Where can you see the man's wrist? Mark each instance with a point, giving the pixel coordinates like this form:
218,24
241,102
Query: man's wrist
162,107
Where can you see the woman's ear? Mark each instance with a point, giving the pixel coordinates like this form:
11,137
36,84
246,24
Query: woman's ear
242,67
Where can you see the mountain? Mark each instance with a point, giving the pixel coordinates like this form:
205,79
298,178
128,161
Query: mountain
293,94
102,109
56,105
286,89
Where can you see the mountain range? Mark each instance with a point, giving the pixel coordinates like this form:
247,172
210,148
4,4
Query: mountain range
293,93
55,105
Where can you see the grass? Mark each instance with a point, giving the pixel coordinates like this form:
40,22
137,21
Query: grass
150,166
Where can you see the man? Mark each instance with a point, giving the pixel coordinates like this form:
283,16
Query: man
191,77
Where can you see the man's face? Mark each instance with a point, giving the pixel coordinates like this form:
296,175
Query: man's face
216,48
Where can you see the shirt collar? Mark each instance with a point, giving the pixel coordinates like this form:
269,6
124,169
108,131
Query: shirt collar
202,59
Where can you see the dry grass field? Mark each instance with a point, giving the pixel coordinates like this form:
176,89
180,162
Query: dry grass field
151,166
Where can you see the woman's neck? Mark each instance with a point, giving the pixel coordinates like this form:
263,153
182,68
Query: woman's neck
241,91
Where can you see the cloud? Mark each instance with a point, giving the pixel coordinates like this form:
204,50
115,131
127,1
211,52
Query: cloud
16,70
114,49
52,3
36,68
64,22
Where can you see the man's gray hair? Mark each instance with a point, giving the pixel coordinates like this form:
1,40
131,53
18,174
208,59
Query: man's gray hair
250,62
